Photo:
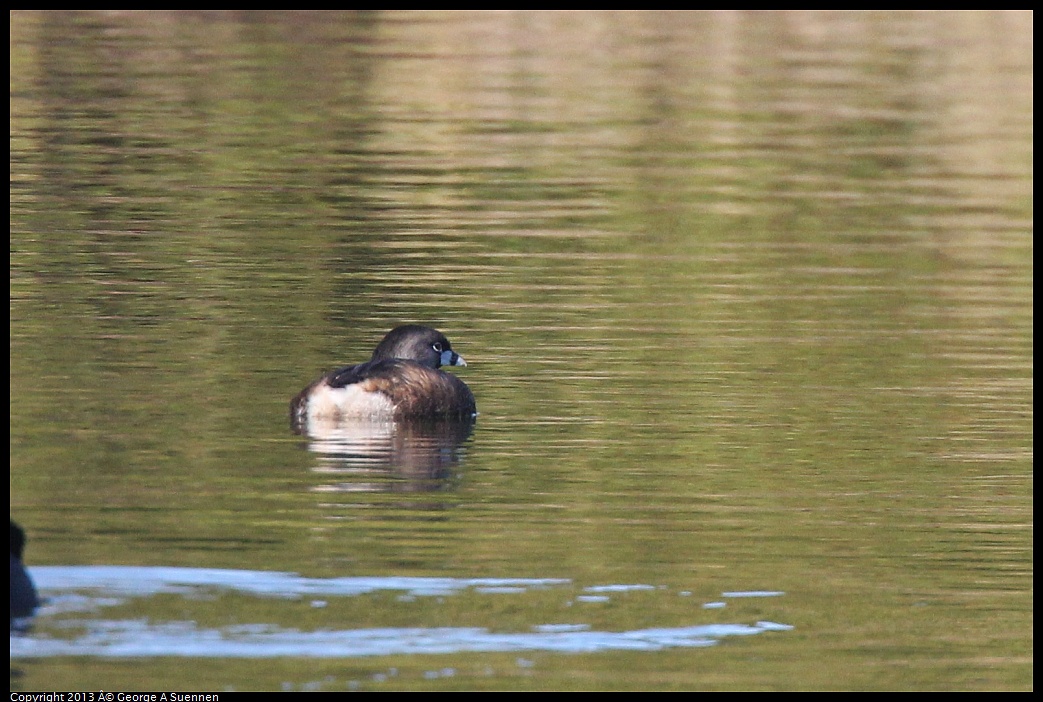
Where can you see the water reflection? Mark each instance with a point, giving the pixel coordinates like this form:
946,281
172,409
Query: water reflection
88,589
752,295
394,456
138,638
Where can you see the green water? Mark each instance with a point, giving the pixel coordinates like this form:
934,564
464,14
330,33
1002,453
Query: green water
746,301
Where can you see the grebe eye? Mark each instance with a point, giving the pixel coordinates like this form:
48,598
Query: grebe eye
437,346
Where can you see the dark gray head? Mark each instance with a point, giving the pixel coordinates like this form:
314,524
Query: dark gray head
425,345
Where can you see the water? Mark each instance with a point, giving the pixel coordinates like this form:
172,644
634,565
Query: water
79,589
746,301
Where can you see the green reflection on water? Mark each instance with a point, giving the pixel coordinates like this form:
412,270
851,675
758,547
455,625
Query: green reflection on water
748,298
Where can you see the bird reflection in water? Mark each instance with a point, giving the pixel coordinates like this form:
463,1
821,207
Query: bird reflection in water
403,455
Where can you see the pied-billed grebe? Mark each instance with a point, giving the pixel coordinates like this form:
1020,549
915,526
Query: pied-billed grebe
402,380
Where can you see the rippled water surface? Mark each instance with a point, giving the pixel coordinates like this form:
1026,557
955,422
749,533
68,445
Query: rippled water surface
746,303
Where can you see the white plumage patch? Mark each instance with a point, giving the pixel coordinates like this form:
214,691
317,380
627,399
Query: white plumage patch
351,401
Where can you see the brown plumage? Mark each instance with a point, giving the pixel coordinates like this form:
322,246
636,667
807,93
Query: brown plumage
401,380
